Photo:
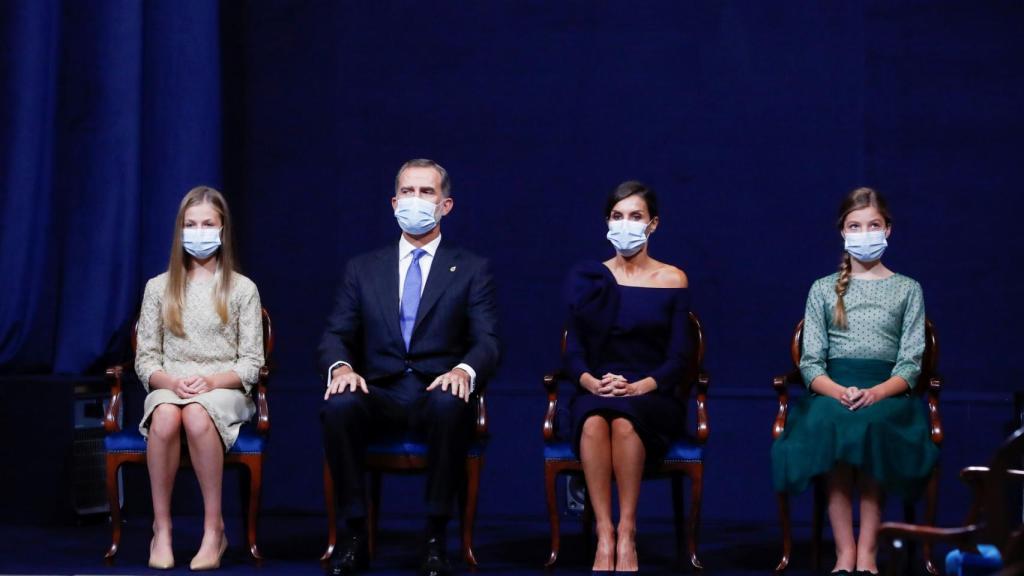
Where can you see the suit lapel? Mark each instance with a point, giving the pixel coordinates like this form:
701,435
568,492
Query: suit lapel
442,271
386,278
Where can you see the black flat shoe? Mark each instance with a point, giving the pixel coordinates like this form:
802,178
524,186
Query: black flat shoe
435,561
864,573
351,558
842,573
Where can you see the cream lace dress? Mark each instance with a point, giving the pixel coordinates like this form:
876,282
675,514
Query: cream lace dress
209,347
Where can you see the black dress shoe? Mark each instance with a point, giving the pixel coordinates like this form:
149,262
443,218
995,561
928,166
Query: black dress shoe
864,573
350,558
435,561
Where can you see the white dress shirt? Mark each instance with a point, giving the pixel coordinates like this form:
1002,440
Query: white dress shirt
405,249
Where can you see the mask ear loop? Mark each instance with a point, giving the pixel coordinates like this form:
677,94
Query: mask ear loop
646,233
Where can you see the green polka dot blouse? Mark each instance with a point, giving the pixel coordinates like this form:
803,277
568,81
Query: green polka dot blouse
885,321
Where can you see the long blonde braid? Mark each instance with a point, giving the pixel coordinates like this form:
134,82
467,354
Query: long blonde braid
839,314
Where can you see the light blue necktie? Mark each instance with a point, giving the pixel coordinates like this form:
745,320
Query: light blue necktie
411,296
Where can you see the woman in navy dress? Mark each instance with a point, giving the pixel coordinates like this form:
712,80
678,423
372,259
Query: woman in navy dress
626,351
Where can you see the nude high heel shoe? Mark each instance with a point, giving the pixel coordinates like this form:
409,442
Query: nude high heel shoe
159,563
212,563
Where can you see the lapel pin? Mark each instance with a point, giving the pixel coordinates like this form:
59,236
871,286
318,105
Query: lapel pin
452,269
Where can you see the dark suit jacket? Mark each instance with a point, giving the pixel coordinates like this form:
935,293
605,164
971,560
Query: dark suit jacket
456,321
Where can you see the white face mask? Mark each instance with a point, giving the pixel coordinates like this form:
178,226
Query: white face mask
627,236
866,246
200,242
416,215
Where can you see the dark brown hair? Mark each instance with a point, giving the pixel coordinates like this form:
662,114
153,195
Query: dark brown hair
632,188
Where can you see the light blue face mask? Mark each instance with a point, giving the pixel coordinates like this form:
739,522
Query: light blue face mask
416,216
866,246
201,243
627,236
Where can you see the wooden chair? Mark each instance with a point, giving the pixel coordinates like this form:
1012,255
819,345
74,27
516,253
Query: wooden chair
408,455
127,446
988,522
929,384
685,457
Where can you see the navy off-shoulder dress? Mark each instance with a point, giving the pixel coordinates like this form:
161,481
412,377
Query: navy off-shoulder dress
632,331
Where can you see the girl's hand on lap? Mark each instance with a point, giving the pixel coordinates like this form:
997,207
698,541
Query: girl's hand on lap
867,398
200,385
183,387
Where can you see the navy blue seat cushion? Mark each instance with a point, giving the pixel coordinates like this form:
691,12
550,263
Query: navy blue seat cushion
685,449
131,442
411,446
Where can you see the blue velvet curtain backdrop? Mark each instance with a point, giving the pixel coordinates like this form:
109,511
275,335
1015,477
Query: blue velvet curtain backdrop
751,120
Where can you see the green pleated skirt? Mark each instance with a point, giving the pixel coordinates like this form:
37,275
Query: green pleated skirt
888,440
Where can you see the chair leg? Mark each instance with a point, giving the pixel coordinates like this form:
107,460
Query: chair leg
373,514
817,522
787,533
693,521
931,505
114,500
332,514
471,494
678,515
550,475
254,464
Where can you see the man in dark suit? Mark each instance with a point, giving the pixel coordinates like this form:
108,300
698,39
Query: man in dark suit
412,334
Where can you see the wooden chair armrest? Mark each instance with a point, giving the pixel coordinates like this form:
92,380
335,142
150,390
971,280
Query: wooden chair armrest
114,377
262,408
781,385
934,419
703,426
481,417
960,537
551,385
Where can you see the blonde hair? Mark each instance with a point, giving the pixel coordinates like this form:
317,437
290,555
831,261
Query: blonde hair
177,268
859,198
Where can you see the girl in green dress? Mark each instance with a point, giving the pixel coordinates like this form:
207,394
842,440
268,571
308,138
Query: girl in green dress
863,340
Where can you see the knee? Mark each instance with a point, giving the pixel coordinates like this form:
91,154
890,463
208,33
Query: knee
442,405
595,427
622,429
165,422
196,420
342,406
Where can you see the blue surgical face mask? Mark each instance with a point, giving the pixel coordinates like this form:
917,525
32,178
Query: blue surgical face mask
416,215
627,236
866,246
201,243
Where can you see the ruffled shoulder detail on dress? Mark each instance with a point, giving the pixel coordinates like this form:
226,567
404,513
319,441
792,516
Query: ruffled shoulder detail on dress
590,287
592,296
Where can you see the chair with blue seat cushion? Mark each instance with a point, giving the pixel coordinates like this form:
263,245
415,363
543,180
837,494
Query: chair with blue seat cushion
127,446
407,454
991,541
685,457
928,385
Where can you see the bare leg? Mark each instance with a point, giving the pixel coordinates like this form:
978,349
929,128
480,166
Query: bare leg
207,452
628,456
596,456
840,515
870,520
163,455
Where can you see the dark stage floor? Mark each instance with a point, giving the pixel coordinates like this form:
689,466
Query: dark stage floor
292,544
